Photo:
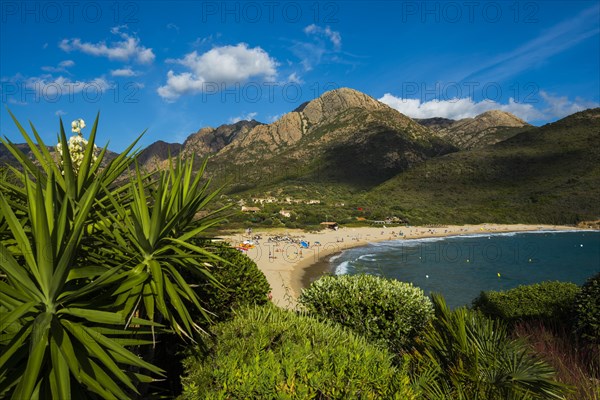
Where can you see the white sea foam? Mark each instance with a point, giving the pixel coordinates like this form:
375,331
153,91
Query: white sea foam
342,269
367,257
335,257
415,242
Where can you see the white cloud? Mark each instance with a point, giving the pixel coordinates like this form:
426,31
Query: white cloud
273,118
534,52
201,41
551,108
294,78
458,108
60,113
333,36
126,72
50,87
244,117
220,65
128,48
561,106
62,66
325,46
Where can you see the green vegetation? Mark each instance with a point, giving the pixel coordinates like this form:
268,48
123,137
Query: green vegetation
587,311
576,364
549,174
107,273
544,316
268,353
93,273
548,302
241,283
546,175
379,309
465,355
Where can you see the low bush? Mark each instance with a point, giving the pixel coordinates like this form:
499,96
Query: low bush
587,311
378,308
465,355
576,364
549,302
242,284
269,353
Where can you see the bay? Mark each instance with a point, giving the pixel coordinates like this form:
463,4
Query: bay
460,267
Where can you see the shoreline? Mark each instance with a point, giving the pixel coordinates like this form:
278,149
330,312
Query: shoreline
289,267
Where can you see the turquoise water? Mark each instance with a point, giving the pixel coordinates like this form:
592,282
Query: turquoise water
460,267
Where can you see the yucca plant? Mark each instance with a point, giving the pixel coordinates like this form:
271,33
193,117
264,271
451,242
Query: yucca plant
465,355
72,181
154,236
68,306
54,336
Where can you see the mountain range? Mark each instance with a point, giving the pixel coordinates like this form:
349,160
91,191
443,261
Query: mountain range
347,145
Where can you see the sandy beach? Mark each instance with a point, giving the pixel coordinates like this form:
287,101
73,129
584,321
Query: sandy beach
284,261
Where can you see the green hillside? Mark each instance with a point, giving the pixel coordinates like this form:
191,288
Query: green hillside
546,175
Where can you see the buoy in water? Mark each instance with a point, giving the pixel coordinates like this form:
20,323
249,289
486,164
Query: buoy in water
498,274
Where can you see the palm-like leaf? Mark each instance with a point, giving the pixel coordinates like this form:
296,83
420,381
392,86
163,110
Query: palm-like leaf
155,237
466,355
88,269
46,343
57,340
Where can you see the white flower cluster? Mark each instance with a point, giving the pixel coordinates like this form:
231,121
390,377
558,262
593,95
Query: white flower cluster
77,145
77,125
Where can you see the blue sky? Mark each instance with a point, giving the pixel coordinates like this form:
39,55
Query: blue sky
175,67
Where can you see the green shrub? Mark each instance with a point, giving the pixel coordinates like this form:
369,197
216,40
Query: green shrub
378,308
465,355
92,268
244,284
269,353
587,310
547,301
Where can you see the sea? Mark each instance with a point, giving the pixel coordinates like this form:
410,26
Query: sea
460,267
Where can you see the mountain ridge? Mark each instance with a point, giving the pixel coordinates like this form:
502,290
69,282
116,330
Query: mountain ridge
339,125
546,174
484,129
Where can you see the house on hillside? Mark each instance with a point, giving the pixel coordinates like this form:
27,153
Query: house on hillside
285,213
250,209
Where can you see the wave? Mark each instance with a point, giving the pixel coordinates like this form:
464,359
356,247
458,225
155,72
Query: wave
335,257
342,269
414,242
367,257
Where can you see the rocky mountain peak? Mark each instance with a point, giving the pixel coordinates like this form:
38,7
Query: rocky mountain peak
210,140
336,101
500,118
486,128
